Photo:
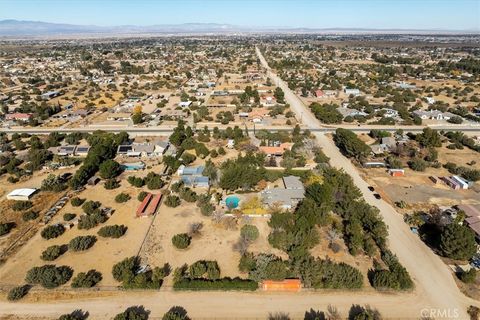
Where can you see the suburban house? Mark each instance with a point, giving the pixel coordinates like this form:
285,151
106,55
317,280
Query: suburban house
258,114
287,197
50,94
349,91
193,176
268,101
185,104
390,113
147,149
472,219
347,112
276,150
433,114
18,116
70,150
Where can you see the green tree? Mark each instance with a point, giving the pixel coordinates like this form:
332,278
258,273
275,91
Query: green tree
109,169
458,242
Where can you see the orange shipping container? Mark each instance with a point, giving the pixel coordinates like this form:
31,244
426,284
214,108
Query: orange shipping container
292,285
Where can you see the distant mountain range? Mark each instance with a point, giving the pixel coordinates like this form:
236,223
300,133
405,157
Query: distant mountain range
20,29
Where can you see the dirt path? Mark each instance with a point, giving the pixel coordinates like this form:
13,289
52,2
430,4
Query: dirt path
435,286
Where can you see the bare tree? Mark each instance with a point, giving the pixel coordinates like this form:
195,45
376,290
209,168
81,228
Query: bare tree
332,313
195,228
241,246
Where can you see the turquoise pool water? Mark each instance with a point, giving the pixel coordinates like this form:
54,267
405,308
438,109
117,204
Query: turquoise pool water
232,202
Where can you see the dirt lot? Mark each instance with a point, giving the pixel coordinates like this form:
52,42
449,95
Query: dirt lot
416,187
103,255
214,243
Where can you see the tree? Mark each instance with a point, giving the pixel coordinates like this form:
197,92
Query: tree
418,164
469,276
249,232
122,197
52,231
52,252
348,142
5,228
82,243
172,201
30,215
87,280
49,276
17,293
77,202
458,242
181,240
429,138
109,169
175,313
133,313
115,231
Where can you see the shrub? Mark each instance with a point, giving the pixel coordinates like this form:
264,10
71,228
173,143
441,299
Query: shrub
142,195
249,232
76,201
30,215
52,252
5,228
154,181
136,181
115,231
91,207
87,280
52,231
176,313
188,195
91,221
82,243
122,197
469,276
225,284
181,240
69,216
111,184
126,271
22,205
49,276
172,201
132,313
17,293
418,164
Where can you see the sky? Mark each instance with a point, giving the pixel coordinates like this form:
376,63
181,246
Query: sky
379,14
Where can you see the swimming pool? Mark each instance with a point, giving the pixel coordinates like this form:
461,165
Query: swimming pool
232,202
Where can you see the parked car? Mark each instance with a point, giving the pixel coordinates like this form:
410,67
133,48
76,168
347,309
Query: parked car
377,196
371,188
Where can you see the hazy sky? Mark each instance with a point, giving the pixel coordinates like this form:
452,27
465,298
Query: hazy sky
403,14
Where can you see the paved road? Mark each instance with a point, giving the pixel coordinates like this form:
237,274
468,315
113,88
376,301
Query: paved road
435,285
167,130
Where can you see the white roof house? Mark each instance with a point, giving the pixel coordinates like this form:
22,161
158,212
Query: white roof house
23,194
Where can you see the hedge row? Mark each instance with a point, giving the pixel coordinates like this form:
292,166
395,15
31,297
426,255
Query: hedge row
224,284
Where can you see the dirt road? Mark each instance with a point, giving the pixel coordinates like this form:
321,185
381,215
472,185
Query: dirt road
435,286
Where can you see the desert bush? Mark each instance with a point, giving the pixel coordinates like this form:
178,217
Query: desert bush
76,201
115,231
22,205
69,216
181,240
91,221
91,207
30,215
133,313
18,293
5,228
82,243
172,201
126,271
87,280
142,195
122,197
136,181
49,276
111,184
249,232
52,231
52,253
